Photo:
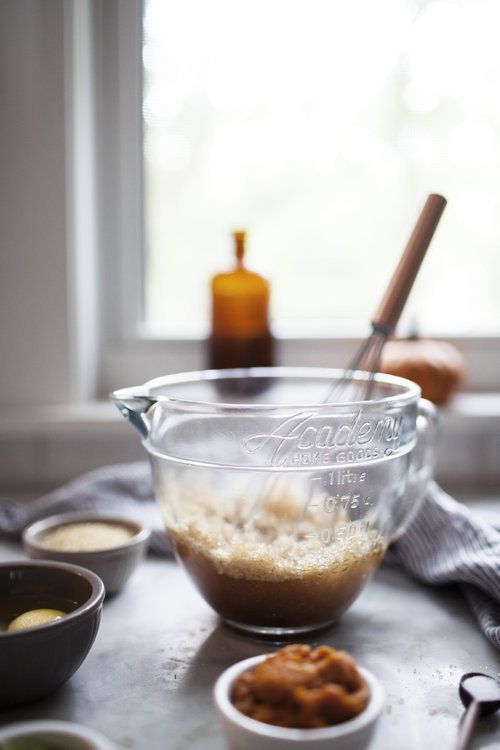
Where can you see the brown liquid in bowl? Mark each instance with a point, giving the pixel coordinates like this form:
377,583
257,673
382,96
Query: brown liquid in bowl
310,598
273,571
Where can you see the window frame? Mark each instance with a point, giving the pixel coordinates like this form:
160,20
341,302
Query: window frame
128,353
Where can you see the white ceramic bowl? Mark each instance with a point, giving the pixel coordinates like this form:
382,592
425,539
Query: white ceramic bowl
61,735
243,733
114,565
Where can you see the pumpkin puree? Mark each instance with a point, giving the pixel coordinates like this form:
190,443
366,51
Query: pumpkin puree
302,688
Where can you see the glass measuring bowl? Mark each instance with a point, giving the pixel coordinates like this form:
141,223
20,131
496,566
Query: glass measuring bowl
281,506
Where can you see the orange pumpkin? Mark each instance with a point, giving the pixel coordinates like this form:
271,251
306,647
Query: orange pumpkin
436,366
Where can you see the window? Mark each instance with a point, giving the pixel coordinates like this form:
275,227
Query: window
320,127
321,136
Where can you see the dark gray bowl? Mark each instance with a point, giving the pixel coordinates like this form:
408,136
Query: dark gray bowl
36,661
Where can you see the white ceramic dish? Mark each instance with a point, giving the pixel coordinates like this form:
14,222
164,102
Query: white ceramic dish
114,565
243,733
61,735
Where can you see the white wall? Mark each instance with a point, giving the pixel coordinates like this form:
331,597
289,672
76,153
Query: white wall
35,348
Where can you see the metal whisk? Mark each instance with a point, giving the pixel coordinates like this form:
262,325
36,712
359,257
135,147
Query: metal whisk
367,359
388,313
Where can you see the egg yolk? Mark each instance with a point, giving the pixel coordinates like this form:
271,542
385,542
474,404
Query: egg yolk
35,617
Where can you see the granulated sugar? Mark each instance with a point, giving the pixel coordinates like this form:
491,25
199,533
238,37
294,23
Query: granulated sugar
278,541
87,536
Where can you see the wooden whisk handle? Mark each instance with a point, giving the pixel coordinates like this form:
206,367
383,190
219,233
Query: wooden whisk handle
399,288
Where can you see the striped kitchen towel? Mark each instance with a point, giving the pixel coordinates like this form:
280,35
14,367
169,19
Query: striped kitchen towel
448,543
124,489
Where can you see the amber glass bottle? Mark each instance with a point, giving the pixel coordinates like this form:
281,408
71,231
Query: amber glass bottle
240,335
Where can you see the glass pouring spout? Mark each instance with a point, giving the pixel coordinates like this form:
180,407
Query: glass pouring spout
134,404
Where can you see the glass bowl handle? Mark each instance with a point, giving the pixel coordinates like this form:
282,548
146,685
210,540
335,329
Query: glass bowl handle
421,467
427,432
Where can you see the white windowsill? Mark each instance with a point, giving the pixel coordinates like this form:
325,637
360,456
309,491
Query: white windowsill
44,447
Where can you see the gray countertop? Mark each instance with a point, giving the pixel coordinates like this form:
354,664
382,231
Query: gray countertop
147,681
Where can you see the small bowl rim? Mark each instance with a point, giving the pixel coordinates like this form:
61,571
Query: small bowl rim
32,534
336,731
94,601
34,728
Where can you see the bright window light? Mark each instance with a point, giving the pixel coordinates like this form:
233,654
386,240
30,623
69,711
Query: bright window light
319,127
